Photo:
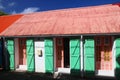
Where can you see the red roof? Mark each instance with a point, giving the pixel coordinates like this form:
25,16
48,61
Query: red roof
89,20
6,21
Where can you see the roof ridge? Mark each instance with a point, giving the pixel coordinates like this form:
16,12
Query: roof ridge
67,9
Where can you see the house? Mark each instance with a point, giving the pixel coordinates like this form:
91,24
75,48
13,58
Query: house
83,41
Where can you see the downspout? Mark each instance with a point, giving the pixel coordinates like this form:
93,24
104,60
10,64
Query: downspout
55,74
82,56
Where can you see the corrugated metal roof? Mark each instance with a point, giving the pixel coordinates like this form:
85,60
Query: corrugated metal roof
6,21
89,20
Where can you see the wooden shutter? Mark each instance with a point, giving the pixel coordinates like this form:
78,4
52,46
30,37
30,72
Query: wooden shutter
10,53
30,55
49,55
75,56
117,48
89,56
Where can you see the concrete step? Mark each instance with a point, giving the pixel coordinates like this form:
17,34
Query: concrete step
22,67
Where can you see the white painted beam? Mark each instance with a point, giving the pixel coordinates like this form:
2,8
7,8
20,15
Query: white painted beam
82,55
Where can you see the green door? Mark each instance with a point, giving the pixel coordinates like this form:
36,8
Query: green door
10,53
117,43
49,56
75,56
89,56
30,55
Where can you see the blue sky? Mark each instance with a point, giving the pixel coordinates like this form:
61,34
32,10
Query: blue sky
29,6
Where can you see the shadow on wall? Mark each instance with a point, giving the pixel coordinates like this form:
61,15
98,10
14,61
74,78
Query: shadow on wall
89,73
76,75
117,70
6,60
0,53
77,72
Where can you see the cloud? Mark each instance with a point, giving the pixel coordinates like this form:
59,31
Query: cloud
29,10
1,6
13,12
26,10
11,4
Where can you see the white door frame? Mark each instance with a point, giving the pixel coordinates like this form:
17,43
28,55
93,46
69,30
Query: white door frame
39,60
16,53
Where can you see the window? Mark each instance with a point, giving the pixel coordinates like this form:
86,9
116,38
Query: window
106,41
59,42
106,53
98,41
98,53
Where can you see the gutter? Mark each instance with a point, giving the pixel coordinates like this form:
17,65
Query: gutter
60,35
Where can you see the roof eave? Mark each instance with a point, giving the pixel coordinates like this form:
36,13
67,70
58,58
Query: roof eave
60,35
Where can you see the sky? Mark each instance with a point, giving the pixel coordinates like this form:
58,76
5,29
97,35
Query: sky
29,6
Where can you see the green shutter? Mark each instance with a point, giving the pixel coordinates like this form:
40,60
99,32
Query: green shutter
10,52
75,56
117,46
30,55
49,55
89,56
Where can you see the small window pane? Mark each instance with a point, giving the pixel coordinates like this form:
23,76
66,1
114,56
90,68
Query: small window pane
106,41
59,41
98,41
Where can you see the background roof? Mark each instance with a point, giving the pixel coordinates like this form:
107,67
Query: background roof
89,20
6,21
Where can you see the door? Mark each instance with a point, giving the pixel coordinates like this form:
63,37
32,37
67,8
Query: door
39,56
62,55
30,55
11,53
117,55
75,56
59,53
89,56
22,51
49,55
104,59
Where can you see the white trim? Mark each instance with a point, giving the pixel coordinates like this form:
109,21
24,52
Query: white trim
113,55
105,73
16,53
64,70
81,55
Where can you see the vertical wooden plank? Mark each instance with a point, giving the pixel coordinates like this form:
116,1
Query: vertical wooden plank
30,55
89,58
75,56
49,56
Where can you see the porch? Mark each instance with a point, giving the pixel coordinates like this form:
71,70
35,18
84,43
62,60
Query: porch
84,55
